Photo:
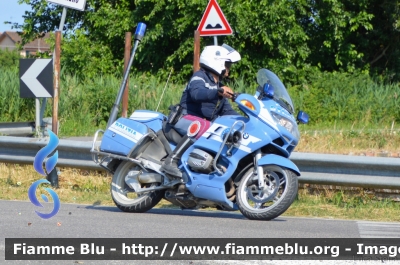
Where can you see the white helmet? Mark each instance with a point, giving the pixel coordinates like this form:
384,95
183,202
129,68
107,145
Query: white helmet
213,58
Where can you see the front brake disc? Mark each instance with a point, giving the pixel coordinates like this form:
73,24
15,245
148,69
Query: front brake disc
253,189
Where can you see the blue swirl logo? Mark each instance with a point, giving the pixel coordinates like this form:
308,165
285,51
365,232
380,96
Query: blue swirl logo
50,164
35,201
44,152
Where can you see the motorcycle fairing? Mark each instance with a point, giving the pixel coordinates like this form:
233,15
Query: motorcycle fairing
258,134
272,159
282,139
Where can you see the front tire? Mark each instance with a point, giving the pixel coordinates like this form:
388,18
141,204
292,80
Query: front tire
281,190
126,198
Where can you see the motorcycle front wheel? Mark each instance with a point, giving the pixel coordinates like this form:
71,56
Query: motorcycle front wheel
281,186
126,199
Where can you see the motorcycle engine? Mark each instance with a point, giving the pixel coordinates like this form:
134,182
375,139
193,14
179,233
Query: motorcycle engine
200,161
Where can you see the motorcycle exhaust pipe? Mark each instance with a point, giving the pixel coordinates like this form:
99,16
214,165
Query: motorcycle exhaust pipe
140,30
149,178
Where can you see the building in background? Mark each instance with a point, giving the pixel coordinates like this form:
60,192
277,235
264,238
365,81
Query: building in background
10,39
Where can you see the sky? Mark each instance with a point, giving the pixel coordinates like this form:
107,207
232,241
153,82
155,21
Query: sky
10,10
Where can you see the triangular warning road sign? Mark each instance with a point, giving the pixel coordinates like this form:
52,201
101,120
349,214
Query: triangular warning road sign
213,21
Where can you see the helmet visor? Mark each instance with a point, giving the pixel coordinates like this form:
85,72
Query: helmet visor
229,48
228,64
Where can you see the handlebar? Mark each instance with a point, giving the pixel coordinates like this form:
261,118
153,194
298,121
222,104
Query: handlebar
234,95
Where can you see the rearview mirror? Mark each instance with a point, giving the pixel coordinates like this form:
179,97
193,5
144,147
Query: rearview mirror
302,117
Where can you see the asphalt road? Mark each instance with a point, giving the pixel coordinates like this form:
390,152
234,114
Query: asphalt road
19,220
108,221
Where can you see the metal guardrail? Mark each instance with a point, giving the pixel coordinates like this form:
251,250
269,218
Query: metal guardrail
341,170
345,170
24,129
71,153
17,128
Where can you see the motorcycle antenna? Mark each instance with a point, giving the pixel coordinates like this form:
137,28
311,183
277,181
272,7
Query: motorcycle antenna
162,95
139,33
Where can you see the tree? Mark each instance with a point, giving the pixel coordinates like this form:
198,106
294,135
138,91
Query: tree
9,59
349,35
290,37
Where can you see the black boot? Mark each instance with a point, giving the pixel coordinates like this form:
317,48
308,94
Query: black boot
170,165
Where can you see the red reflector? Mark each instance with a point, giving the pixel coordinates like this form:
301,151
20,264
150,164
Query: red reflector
193,129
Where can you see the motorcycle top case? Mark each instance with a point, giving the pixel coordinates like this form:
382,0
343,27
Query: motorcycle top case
122,136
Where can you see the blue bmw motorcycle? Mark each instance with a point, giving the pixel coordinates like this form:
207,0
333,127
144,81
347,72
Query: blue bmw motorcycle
237,163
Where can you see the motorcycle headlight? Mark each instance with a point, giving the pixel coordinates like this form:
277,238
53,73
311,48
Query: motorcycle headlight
287,124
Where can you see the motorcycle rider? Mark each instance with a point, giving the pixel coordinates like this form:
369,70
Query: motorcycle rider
204,96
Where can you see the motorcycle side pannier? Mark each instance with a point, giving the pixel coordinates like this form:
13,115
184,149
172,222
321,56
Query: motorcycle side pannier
123,135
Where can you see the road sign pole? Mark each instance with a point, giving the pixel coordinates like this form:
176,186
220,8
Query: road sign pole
38,131
42,110
196,53
79,5
62,22
215,40
56,65
41,103
52,177
56,82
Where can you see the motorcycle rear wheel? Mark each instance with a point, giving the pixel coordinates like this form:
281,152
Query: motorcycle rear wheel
126,199
274,200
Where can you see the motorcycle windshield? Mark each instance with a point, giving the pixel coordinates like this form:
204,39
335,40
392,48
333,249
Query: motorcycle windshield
280,93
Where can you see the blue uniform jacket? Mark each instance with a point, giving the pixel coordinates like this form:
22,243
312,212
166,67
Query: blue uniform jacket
200,97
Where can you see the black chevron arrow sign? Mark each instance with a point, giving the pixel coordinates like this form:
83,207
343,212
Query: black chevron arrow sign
36,78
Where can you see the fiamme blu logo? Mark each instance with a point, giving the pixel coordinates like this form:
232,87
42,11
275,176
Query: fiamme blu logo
50,164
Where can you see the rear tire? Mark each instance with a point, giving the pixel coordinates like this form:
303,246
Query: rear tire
126,198
278,198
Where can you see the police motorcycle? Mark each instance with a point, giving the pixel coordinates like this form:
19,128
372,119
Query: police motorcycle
235,163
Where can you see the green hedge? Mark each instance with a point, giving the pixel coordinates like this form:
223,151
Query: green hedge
85,105
349,98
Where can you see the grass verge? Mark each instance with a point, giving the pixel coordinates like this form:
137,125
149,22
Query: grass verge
353,139
344,204
91,187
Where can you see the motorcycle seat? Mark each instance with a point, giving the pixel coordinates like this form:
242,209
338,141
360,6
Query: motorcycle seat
170,133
